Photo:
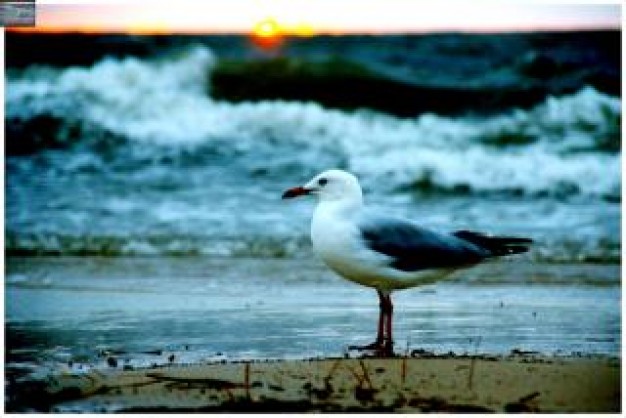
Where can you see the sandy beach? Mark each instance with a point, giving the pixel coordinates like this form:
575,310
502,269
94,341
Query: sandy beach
131,335
420,382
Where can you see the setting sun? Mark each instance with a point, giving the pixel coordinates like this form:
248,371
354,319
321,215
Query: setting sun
267,28
267,33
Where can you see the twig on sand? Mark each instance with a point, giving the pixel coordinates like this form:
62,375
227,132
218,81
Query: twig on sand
358,377
403,365
246,379
366,375
524,404
208,383
361,393
333,368
231,397
473,363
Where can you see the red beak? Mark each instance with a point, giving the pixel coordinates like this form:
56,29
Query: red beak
295,192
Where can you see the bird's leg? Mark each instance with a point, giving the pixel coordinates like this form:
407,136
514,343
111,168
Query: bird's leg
387,343
377,345
380,336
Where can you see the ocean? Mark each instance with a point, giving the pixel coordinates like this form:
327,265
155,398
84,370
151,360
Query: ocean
143,209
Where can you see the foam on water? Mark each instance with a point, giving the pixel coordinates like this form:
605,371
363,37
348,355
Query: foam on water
153,151
554,147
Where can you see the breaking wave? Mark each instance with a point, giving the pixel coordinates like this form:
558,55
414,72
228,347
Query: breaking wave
566,145
138,150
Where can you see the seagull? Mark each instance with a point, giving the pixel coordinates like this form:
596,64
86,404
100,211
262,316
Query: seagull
388,253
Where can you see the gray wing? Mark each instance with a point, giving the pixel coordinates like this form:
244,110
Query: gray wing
413,248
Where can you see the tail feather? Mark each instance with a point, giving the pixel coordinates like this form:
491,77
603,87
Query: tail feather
497,246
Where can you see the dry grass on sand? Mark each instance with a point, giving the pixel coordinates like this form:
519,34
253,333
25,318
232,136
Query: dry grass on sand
440,383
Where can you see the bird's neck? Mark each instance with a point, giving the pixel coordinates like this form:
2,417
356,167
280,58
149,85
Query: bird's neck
339,208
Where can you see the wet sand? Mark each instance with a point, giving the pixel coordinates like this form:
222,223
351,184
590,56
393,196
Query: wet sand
62,308
197,334
418,383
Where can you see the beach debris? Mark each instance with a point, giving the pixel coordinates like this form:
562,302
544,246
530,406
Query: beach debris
470,378
422,353
403,370
189,382
366,375
403,364
325,392
526,403
321,394
364,394
523,353
246,379
355,385
361,393
437,404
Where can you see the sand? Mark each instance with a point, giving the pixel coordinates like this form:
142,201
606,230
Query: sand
514,383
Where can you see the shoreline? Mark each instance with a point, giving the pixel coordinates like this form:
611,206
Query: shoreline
151,335
422,382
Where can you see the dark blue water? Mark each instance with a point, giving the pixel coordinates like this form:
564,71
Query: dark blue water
132,156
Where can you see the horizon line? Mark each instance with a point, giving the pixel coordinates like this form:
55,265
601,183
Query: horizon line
323,32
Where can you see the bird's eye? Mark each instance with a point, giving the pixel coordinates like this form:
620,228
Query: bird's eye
322,181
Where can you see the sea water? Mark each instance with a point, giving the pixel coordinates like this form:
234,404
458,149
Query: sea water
144,215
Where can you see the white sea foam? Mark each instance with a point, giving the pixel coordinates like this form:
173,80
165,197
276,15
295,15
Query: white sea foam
165,102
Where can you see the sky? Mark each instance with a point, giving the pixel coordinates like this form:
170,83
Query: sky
308,17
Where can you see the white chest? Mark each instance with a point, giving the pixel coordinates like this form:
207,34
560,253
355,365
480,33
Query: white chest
332,238
338,243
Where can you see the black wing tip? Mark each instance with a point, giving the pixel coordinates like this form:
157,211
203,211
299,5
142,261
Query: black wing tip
515,240
470,235
497,246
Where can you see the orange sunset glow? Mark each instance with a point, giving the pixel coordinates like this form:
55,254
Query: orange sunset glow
267,28
271,19
267,33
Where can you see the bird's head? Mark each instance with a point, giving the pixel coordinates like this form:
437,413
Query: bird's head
329,185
